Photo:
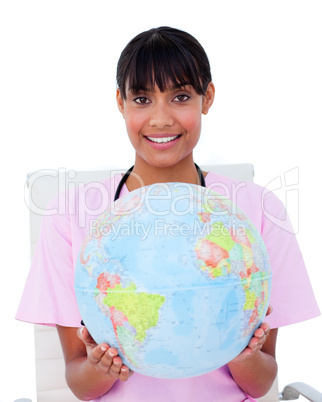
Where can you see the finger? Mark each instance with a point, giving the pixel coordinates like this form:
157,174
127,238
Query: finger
106,360
115,369
269,310
95,354
259,333
253,344
266,328
262,332
258,340
125,373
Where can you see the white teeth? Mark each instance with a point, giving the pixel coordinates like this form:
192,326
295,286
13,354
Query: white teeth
162,140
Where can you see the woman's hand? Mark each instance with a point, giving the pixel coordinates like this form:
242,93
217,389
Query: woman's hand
255,368
103,357
255,344
257,341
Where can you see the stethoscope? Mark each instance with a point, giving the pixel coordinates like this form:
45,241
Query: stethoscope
127,174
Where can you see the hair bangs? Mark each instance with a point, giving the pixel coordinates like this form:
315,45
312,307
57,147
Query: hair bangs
166,57
164,65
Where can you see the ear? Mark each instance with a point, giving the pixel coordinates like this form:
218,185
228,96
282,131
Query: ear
208,98
120,101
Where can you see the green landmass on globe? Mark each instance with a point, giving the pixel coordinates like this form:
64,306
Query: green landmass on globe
131,313
213,256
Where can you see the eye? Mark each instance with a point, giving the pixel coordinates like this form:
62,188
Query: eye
141,100
181,98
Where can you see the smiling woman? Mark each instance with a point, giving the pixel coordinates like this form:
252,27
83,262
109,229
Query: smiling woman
164,86
164,127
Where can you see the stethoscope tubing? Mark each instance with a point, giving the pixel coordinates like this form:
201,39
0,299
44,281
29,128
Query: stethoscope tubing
127,174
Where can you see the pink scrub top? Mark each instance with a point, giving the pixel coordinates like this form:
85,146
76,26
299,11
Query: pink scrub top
49,297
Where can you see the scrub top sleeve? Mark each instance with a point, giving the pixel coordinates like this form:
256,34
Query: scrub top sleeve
48,297
292,296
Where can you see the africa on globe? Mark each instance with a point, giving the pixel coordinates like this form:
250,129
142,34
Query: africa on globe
175,277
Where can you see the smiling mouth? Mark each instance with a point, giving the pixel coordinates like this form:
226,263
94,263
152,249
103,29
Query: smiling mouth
163,140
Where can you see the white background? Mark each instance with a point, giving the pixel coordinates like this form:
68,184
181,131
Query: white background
57,95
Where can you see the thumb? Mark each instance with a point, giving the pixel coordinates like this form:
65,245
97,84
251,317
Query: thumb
85,336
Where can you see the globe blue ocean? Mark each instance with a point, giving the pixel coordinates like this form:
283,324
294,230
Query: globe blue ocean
175,277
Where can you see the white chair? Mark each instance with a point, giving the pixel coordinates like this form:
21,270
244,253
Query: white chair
41,187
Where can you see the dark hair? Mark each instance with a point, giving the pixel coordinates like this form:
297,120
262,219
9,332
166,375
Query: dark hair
161,56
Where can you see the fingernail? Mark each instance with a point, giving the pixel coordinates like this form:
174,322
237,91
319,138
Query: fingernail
111,353
103,348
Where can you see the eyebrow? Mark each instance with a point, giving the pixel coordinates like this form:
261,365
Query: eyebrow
177,85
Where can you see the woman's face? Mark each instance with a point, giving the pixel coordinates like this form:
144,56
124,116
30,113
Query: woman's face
164,127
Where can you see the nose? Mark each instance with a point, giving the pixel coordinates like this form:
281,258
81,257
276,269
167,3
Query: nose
161,116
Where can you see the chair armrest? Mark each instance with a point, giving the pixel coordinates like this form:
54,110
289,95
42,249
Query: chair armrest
23,400
294,390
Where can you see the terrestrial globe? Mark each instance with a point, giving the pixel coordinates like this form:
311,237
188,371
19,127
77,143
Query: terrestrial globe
175,277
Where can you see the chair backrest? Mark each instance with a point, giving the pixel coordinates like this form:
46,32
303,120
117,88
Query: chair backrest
42,187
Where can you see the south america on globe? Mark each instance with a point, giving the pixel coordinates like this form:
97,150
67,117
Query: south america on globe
175,277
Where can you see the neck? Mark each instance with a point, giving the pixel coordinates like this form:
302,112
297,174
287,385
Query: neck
144,174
